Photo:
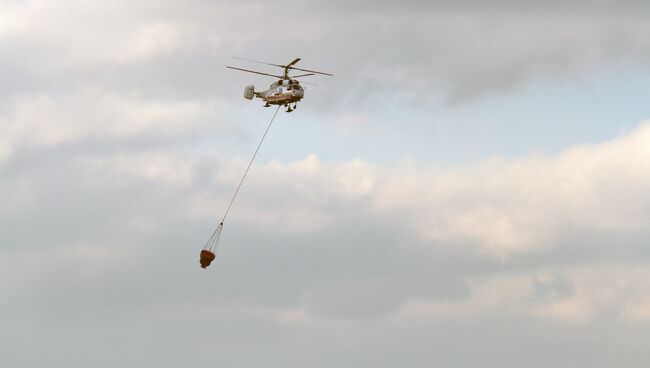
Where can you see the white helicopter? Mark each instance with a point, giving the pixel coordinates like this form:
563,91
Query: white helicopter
287,90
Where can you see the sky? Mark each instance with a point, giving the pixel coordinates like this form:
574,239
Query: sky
469,189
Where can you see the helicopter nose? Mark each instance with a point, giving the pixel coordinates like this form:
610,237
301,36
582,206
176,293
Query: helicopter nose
299,94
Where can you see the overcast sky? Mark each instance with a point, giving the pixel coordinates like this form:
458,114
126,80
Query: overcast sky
470,189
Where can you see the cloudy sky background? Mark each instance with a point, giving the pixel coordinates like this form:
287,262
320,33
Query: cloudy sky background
470,189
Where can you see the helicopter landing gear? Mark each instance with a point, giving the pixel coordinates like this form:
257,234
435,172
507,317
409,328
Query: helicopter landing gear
289,109
267,105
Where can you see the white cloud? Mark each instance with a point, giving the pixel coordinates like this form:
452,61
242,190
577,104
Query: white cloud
109,187
500,207
161,167
152,40
523,204
597,292
455,51
74,35
343,244
46,121
10,21
298,194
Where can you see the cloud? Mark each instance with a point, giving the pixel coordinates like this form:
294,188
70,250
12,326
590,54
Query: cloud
353,245
46,121
119,151
520,205
157,167
502,207
151,41
416,52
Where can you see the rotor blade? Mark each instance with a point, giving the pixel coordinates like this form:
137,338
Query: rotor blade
311,71
252,71
290,65
259,62
293,62
301,75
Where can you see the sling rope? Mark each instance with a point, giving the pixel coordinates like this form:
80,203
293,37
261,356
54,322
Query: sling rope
213,241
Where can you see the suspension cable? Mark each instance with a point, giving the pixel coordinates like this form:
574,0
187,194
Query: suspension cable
212,242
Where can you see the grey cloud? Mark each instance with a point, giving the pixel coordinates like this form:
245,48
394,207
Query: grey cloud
551,288
424,54
100,232
415,6
106,261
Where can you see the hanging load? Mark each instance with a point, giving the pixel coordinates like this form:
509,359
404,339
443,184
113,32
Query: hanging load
207,255
206,258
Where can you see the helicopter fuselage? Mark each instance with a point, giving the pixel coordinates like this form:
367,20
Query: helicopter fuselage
282,92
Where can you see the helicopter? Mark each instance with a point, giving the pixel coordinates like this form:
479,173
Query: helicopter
286,91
